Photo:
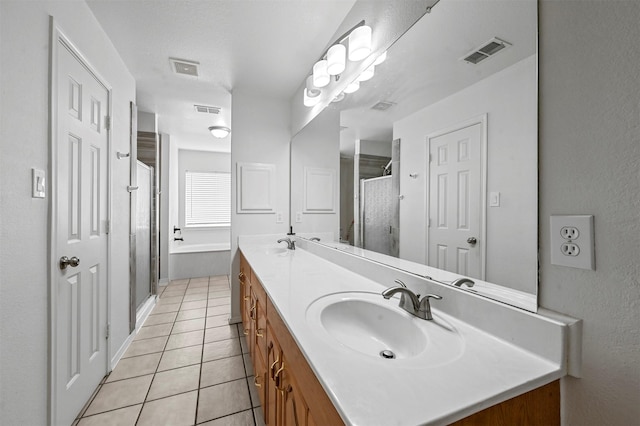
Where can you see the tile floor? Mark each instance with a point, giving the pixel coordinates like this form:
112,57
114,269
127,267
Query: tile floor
186,366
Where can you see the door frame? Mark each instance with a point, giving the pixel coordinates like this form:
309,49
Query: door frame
56,36
484,131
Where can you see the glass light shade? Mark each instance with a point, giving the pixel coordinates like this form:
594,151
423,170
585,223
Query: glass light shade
311,90
367,74
380,59
360,43
308,100
321,76
219,131
336,59
353,87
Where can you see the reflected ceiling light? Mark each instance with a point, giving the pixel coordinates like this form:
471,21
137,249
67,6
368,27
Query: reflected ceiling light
309,101
336,59
360,43
312,91
353,87
321,76
338,98
219,131
367,74
380,59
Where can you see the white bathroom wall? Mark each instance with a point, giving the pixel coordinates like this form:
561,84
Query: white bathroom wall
589,164
24,261
166,230
315,146
379,148
260,134
509,100
147,122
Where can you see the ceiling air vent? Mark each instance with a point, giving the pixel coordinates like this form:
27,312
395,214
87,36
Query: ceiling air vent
207,109
488,49
383,105
184,67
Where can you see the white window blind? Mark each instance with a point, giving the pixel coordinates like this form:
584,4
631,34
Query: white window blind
207,198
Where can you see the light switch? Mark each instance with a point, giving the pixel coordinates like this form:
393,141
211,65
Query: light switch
38,183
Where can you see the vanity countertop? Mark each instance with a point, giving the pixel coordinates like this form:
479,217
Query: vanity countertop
370,390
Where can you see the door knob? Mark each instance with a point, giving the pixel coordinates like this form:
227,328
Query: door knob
472,241
65,261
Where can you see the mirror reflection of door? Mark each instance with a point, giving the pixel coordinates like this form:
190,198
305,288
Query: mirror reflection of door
455,207
144,210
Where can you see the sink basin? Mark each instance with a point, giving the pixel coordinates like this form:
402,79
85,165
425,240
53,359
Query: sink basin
371,325
276,250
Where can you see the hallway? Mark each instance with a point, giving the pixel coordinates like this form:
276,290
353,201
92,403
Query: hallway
186,366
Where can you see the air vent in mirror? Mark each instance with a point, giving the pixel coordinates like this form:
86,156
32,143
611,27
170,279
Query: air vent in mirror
207,109
487,49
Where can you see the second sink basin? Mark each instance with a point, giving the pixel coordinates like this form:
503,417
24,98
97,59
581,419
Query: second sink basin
367,323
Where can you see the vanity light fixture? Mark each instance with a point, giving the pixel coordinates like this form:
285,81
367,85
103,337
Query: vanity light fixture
219,131
336,59
352,87
360,43
380,59
339,98
310,101
312,91
321,75
367,74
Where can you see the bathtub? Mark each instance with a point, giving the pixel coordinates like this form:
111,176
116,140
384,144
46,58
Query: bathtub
199,260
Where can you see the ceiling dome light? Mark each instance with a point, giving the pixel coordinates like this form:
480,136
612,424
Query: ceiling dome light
312,91
360,43
336,59
380,59
219,131
367,74
309,101
353,87
321,76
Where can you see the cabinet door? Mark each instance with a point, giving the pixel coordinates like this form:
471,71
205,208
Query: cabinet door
274,358
294,408
260,380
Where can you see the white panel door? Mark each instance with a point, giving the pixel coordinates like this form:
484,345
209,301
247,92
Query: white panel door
455,191
80,149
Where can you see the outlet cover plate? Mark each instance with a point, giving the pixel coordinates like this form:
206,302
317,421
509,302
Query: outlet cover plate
585,259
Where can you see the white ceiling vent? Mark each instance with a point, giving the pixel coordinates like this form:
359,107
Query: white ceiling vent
487,49
207,109
383,105
184,67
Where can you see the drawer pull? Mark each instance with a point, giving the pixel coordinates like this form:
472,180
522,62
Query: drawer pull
255,382
241,276
277,376
260,332
273,366
246,298
246,331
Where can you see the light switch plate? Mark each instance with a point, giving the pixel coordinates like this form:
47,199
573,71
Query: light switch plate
494,199
572,241
38,183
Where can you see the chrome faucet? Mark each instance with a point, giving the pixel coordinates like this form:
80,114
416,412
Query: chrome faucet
460,281
410,302
291,245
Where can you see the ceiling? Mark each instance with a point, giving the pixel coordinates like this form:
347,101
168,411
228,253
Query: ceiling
265,47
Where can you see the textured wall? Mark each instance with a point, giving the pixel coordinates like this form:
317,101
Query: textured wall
589,164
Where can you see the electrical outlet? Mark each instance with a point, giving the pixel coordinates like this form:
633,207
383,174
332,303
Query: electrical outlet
279,217
298,217
570,249
572,242
569,233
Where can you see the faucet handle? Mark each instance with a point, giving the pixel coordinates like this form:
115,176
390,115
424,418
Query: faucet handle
425,306
400,283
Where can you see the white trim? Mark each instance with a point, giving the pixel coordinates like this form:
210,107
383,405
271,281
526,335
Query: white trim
141,316
482,120
163,282
120,352
57,36
235,320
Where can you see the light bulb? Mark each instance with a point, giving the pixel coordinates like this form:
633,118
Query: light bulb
339,97
336,59
321,76
219,131
312,91
353,87
360,43
309,101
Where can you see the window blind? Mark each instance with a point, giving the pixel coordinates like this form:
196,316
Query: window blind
207,198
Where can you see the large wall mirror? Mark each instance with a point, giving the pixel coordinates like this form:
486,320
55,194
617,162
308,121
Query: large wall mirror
431,166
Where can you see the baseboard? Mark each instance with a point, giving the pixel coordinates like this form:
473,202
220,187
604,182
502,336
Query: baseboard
163,282
141,316
235,320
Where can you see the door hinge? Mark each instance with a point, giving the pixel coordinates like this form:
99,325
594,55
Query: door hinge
107,226
107,122
108,331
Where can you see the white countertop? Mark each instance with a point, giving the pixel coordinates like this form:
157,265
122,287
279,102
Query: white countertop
368,390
